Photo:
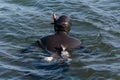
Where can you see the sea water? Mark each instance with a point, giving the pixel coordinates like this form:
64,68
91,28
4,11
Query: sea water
95,22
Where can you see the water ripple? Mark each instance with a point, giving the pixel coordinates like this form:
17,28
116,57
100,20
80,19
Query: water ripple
95,23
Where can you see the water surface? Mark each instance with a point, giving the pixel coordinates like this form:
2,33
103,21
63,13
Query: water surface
95,22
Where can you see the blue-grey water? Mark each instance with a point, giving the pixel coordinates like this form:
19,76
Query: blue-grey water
95,22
